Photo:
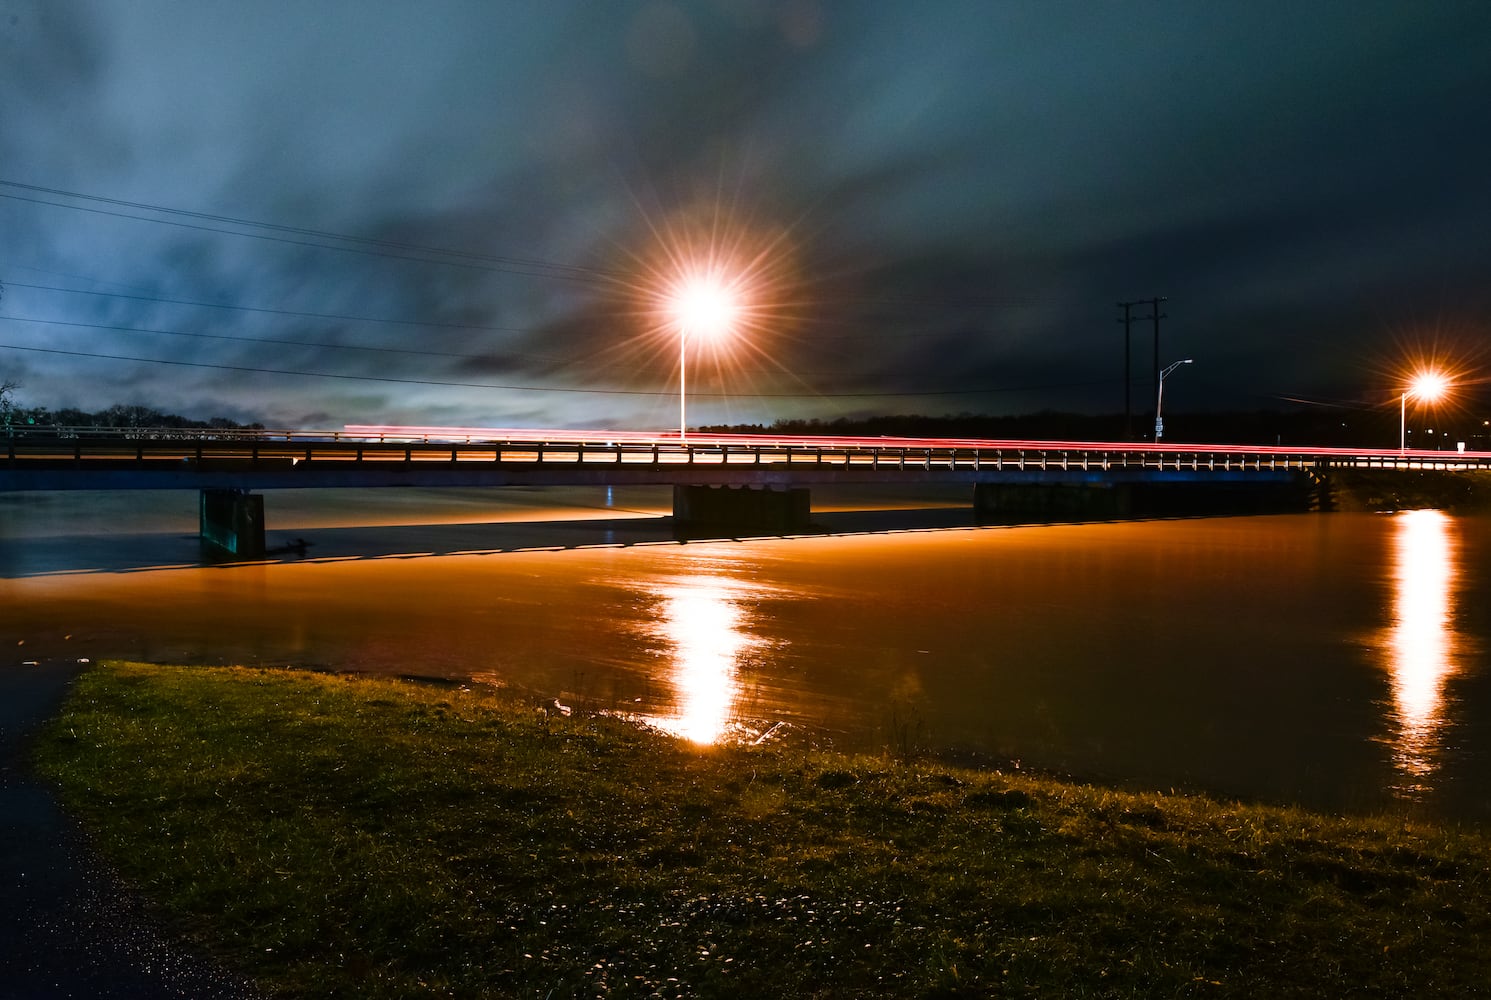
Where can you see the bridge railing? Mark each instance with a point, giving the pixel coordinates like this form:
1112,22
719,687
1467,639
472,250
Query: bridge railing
84,445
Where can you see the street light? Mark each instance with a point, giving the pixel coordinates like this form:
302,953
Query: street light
702,305
1159,421
1427,386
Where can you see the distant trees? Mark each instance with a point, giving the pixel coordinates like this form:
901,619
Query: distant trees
1315,427
14,417
7,404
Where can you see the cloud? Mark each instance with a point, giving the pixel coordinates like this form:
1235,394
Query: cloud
959,193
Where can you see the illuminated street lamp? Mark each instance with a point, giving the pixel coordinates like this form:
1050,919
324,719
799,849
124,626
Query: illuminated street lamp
1159,421
1427,386
702,305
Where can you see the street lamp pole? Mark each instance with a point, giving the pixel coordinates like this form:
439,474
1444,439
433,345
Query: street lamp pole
1159,421
1403,422
683,354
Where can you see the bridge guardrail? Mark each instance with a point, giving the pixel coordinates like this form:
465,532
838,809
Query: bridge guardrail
158,448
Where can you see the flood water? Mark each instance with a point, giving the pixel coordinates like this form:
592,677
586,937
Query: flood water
1336,661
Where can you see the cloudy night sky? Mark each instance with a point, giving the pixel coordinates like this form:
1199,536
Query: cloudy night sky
317,213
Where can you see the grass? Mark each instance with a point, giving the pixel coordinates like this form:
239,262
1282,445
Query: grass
1407,489
338,837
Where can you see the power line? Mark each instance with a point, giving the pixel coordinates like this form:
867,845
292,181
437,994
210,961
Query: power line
233,338
1128,412
1156,316
578,270
335,375
274,312
529,272
349,318
528,266
980,391
254,340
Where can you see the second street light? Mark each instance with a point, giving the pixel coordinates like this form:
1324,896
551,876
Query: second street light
1159,398
1426,386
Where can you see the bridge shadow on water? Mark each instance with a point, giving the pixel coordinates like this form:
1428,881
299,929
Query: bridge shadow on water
154,551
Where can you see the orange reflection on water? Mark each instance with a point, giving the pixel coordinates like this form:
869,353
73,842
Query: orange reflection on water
703,621
1424,646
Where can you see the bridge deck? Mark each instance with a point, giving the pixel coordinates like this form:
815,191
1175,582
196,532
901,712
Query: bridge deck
68,459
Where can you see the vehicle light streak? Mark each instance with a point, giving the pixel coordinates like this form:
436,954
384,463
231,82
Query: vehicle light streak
395,432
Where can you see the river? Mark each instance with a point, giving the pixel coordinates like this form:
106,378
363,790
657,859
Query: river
1335,661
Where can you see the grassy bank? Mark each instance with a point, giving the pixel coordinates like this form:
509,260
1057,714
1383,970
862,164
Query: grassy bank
353,837
1402,489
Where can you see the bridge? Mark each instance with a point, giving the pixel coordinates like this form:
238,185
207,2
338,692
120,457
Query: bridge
758,481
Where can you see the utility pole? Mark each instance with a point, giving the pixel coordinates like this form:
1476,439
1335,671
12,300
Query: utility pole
1156,315
1128,410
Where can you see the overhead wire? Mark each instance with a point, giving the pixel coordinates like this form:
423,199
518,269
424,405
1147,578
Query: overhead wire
590,363
979,391
527,266
251,340
274,312
352,318
532,271
579,271
531,267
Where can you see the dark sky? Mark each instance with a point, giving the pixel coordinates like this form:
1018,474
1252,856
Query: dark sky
462,212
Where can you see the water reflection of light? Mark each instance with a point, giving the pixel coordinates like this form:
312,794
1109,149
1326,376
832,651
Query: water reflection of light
703,620
1423,644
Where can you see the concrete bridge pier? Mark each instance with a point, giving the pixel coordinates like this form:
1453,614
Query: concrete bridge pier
1037,503
742,510
232,522
1027,503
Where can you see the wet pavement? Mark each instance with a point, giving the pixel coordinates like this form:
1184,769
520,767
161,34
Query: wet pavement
68,928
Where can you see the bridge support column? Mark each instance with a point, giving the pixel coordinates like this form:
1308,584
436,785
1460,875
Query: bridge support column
740,510
1034,503
1287,493
1037,503
232,521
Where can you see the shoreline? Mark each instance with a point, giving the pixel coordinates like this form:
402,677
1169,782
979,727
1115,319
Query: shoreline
1373,490
339,836
490,622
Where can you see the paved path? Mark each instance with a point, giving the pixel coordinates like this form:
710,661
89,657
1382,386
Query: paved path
67,927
